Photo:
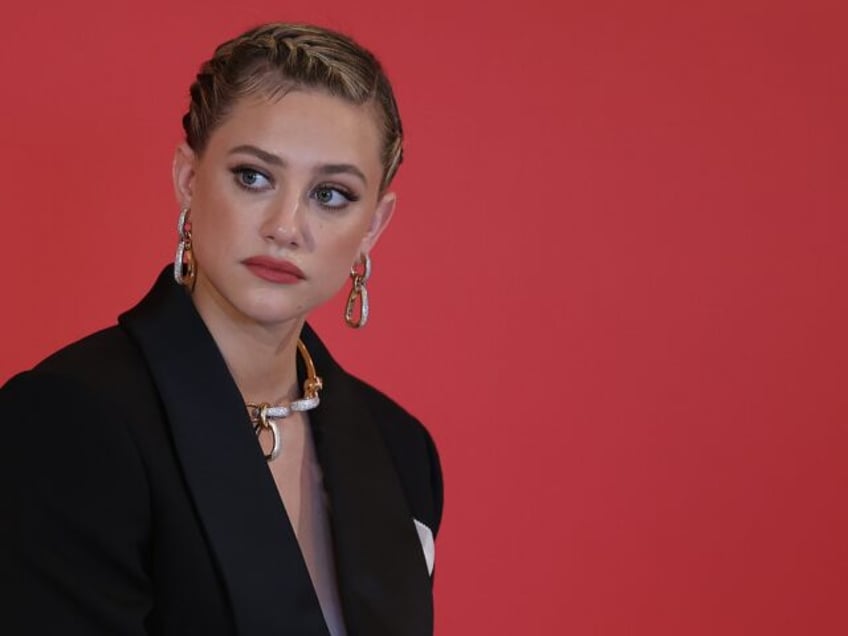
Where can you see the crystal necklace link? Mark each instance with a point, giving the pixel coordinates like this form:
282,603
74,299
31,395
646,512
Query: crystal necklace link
263,415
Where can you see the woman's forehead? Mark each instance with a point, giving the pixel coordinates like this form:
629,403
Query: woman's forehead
305,121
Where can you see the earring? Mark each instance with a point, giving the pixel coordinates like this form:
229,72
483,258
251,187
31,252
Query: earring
358,292
184,270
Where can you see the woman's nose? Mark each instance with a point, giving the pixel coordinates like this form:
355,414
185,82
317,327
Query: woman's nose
284,220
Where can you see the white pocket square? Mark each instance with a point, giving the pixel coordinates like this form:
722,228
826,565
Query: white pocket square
425,536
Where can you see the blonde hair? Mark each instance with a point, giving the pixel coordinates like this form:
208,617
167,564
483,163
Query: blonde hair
276,58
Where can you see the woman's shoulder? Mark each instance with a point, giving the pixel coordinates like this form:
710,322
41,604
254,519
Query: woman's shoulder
411,447
105,362
81,390
91,375
394,419
100,354
75,492
63,431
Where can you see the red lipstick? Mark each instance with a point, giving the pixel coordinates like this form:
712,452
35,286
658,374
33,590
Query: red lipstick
274,270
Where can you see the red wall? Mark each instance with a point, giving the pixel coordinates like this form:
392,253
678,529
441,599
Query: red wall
615,288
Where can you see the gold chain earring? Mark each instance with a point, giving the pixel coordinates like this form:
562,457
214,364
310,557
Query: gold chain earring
359,273
184,269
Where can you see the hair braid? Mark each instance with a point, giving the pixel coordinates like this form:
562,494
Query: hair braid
275,58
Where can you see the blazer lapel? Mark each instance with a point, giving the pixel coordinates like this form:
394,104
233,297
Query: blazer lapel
383,578
237,502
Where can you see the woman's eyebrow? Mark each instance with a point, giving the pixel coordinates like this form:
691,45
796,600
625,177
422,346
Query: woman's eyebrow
264,155
275,160
342,168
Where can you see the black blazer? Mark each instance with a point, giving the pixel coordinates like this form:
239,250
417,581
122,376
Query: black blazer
136,500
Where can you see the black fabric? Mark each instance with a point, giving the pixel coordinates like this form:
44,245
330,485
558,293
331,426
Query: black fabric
137,501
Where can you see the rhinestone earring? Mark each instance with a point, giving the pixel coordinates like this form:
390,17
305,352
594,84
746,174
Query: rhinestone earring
359,274
184,269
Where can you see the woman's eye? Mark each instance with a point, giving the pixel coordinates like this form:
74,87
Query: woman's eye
251,179
332,197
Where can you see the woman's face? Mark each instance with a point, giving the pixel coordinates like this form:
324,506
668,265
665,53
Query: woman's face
284,200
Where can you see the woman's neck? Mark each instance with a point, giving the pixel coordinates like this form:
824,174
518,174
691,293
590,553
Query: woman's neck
261,358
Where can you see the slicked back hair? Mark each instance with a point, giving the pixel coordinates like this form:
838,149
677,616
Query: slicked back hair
276,58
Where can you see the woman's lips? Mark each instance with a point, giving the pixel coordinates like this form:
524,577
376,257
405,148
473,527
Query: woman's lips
274,270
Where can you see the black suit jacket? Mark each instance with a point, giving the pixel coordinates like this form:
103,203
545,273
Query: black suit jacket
136,499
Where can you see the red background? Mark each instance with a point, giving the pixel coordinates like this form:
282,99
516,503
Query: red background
615,288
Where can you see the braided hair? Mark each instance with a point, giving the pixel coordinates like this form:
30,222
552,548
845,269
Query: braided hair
276,58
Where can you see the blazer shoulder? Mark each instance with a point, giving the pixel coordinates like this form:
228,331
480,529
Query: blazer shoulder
79,392
106,365
98,386
99,356
75,493
412,449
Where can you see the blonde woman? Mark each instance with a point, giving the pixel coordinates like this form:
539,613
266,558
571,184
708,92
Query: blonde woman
204,466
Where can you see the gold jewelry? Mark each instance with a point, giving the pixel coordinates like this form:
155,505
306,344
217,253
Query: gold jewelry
184,269
262,416
359,293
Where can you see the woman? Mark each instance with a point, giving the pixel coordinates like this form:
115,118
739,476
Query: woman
168,475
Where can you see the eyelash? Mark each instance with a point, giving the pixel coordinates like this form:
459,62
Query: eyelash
240,171
350,197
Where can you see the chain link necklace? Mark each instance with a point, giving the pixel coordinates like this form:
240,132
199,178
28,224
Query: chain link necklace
263,416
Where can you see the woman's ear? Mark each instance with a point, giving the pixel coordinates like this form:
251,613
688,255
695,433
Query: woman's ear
382,216
183,174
